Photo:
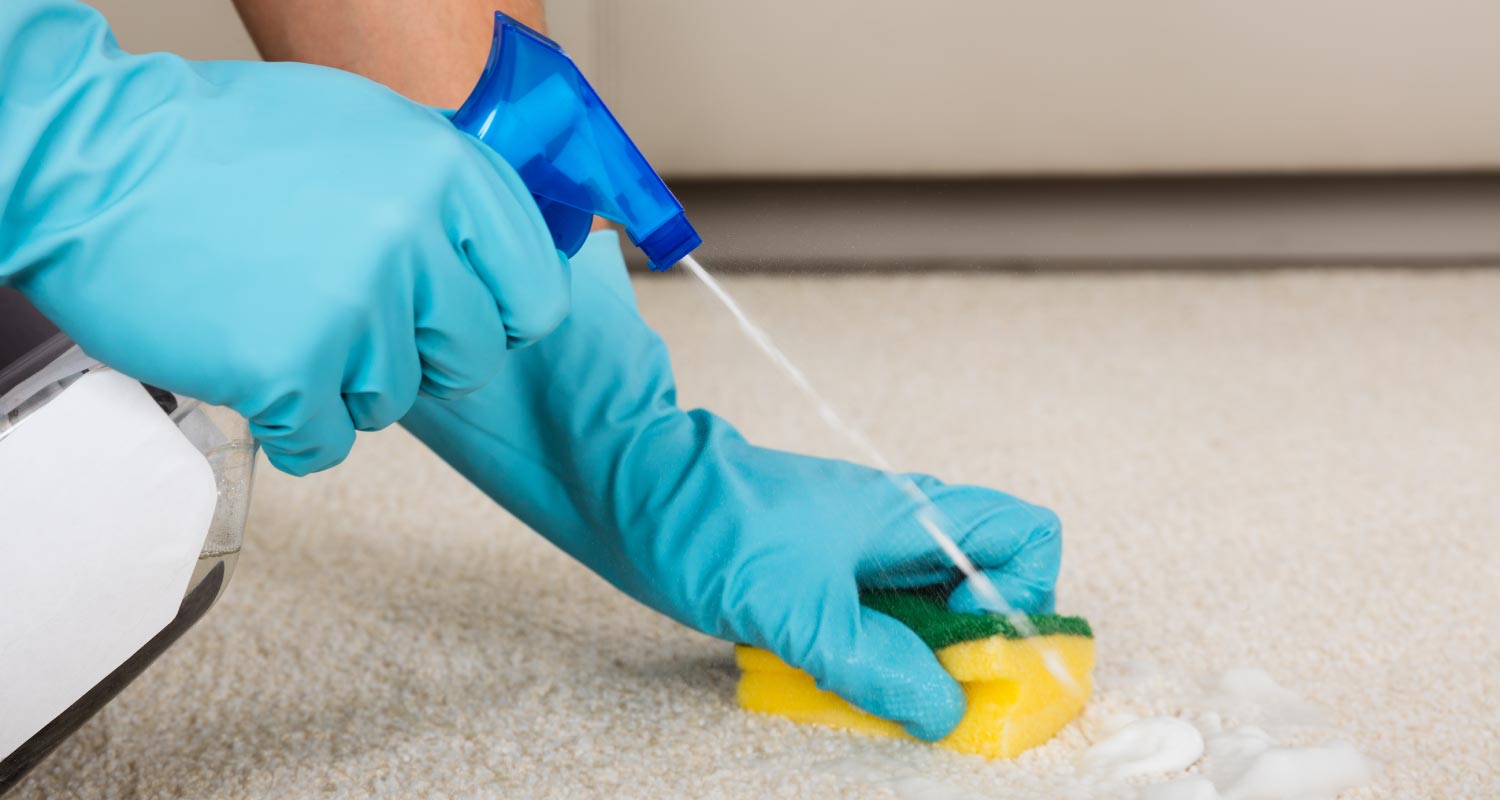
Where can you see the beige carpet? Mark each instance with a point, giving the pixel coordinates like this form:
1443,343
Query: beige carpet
1295,471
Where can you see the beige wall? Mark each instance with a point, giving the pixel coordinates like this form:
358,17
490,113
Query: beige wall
191,28
858,87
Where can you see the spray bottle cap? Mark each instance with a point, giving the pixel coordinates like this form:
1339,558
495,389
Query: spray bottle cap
536,110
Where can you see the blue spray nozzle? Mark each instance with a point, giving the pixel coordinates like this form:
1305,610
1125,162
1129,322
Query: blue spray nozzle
536,110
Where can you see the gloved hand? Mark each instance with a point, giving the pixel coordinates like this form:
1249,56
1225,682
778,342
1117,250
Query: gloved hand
295,242
582,439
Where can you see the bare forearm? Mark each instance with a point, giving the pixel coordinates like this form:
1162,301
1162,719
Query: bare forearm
431,51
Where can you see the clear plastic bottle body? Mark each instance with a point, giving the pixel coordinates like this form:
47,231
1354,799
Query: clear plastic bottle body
231,454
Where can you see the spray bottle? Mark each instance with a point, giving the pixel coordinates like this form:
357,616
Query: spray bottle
534,107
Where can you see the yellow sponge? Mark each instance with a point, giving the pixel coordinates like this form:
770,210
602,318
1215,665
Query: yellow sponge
1015,703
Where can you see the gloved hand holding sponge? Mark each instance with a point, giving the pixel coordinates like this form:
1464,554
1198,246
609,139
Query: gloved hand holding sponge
323,256
582,438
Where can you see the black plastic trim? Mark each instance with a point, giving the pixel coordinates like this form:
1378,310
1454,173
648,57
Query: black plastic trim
28,341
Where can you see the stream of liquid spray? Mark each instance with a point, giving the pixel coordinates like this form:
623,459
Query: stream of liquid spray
929,516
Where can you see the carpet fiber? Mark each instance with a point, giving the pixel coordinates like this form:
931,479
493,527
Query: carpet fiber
1293,471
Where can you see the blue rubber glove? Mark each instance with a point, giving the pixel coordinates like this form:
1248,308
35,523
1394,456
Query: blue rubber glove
297,243
582,439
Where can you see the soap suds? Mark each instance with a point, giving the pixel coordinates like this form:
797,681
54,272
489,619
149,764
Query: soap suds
1248,764
1146,747
1255,740
1236,735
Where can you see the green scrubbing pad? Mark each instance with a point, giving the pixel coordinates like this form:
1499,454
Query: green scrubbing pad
938,627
